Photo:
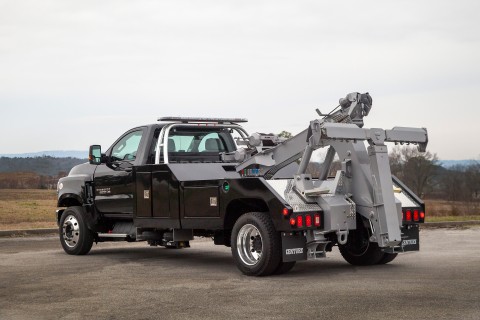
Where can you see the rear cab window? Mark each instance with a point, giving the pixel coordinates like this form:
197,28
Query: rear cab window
199,144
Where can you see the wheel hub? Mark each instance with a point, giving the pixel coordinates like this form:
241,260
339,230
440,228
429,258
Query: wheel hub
249,244
70,231
257,243
360,242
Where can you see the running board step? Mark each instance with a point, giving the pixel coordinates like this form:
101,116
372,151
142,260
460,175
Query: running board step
124,228
103,237
113,235
122,231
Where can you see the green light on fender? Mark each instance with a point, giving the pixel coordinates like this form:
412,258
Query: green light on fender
226,186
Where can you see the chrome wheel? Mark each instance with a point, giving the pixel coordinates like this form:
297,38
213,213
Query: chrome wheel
71,231
249,244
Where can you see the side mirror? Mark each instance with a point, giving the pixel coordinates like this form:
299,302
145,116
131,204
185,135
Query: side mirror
95,154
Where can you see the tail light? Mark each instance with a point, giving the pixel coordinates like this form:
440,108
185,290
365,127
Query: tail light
416,216
299,221
413,215
308,220
316,220
285,212
408,215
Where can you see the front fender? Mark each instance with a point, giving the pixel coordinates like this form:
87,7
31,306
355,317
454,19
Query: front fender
71,190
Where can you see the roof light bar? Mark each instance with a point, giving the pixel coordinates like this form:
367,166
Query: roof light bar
202,120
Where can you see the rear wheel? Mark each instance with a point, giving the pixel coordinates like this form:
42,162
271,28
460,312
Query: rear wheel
256,246
358,250
284,267
75,237
388,257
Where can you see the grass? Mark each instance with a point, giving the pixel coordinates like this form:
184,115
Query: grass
27,209
451,218
459,211
34,208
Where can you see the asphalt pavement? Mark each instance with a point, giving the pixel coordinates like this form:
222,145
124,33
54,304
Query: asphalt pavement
135,281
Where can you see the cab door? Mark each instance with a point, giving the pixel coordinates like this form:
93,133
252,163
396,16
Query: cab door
114,185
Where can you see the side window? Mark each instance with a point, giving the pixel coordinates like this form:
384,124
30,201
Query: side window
126,148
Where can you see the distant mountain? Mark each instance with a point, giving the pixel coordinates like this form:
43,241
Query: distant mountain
450,163
55,154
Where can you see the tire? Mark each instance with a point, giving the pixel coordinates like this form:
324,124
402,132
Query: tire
75,237
284,267
387,257
256,245
358,250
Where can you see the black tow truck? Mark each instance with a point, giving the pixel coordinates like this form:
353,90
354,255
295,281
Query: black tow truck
181,178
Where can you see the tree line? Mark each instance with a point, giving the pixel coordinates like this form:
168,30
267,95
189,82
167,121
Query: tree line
45,166
35,172
29,180
421,172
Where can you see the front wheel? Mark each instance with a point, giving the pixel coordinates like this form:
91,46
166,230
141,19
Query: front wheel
256,245
75,237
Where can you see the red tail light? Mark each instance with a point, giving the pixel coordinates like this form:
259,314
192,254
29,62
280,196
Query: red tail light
299,221
316,221
415,215
422,215
292,221
308,220
285,212
408,215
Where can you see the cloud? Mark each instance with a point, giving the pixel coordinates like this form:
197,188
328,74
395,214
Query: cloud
270,61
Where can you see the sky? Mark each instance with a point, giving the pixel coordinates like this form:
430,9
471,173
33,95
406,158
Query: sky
76,73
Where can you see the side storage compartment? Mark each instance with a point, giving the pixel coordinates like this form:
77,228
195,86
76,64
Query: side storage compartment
143,192
201,201
156,197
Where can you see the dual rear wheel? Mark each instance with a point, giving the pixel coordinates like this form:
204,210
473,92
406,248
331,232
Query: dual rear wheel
256,246
359,251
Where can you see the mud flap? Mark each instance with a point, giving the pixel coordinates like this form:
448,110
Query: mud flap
294,247
410,238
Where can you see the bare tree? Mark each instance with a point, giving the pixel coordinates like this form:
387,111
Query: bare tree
414,168
472,180
453,183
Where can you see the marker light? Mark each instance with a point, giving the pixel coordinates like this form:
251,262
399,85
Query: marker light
285,212
292,221
422,215
308,220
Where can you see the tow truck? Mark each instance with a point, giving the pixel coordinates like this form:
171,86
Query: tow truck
181,178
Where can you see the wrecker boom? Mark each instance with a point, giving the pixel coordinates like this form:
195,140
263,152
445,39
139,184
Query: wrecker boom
364,184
